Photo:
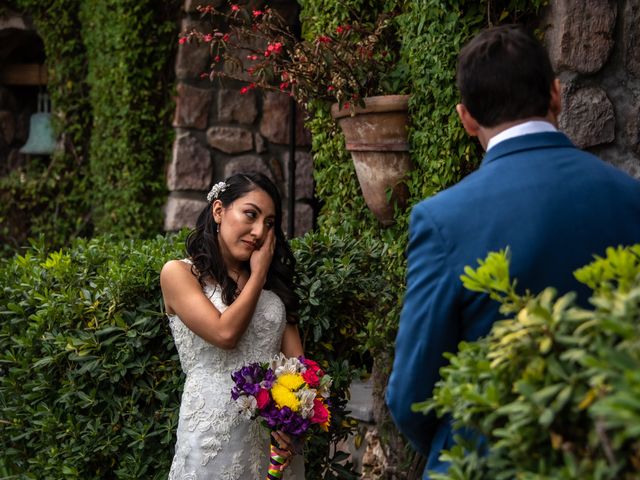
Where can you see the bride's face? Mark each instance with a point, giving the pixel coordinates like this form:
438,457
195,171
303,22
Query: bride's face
244,225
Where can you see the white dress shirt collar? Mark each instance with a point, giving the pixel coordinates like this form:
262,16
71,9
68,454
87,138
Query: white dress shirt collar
525,128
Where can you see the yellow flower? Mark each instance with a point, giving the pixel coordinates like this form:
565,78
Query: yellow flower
284,397
282,390
292,381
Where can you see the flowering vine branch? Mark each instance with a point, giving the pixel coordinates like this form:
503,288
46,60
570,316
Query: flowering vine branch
257,47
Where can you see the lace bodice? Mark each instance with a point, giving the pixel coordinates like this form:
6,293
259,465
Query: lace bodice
260,342
213,440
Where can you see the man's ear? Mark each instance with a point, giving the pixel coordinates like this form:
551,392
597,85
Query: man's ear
469,123
555,102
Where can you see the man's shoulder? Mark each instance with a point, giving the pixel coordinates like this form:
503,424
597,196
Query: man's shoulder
458,192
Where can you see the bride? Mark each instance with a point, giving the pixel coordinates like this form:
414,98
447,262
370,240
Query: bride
230,303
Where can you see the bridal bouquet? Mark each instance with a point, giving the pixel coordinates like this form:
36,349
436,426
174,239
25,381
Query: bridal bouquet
286,394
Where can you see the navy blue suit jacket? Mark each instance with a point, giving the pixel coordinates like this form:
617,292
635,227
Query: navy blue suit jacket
554,205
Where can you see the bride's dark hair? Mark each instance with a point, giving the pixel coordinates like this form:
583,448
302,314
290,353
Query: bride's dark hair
204,250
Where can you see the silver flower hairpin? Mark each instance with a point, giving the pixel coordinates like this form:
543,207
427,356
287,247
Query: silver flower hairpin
215,191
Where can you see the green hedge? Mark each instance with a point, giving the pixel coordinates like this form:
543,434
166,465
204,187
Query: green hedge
90,380
555,389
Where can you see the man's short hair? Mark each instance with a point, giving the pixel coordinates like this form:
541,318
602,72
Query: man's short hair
504,74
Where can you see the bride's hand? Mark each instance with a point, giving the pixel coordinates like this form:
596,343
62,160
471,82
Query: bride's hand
285,446
261,258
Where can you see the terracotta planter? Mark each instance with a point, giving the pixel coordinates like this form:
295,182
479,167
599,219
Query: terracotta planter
376,136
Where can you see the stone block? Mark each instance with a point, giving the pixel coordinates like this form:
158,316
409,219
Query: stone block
10,20
247,45
236,107
580,34
191,167
261,145
7,127
192,107
303,173
182,213
274,125
631,38
588,118
302,221
247,164
193,58
230,139
633,127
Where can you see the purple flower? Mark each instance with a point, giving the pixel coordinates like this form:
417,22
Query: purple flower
285,419
269,379
247,380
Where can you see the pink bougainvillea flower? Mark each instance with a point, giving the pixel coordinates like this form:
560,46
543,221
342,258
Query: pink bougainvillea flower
208,37
257,13
235,8
226,37
182,40
323,39
244,90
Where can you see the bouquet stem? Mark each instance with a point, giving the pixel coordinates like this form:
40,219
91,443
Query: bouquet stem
276,462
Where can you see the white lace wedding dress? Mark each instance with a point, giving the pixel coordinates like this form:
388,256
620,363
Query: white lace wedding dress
213,440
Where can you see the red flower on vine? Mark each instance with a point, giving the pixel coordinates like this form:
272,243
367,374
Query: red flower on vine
275,47
235,8
324,39
257,13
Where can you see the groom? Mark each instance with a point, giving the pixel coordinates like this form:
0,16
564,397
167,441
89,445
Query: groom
535,192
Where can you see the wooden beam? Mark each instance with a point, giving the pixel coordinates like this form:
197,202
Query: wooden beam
23,74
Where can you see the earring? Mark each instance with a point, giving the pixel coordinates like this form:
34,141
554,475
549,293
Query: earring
217,227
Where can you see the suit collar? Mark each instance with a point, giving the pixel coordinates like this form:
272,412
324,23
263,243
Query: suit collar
525,143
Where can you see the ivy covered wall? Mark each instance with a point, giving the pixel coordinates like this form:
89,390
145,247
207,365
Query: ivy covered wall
110,70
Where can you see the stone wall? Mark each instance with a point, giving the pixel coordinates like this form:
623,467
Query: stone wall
595,51
220,132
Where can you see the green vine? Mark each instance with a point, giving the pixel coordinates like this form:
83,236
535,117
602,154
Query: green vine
110,70
130,46
51,198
